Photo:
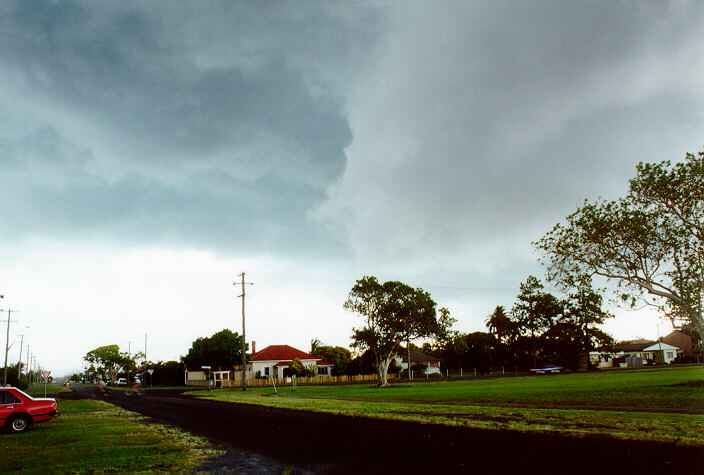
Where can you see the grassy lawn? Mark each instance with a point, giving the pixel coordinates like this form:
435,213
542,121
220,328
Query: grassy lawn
95,436
37,390
576,402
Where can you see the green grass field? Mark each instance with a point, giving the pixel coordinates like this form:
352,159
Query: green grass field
37,390
92,436
641,405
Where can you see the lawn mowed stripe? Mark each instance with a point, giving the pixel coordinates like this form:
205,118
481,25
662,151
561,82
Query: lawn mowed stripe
660,388
96,436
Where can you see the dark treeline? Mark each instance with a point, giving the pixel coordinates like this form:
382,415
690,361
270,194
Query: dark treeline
539,329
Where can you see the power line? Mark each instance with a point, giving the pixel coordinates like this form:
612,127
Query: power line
454,287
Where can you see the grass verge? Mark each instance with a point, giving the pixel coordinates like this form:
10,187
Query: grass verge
37,390
94,436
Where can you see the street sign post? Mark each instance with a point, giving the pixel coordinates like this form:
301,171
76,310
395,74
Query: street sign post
45,375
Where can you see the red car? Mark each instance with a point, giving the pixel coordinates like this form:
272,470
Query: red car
19,411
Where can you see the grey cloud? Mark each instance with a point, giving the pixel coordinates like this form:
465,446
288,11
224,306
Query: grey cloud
418,135
504,117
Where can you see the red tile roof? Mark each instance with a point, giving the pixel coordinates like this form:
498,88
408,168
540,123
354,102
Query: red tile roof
281,353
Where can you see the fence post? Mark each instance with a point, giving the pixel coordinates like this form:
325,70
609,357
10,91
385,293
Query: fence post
502,370
460,372
475,371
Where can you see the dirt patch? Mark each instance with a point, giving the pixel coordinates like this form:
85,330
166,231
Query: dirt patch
310,442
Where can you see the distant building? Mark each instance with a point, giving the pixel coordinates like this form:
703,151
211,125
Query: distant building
636,354
272,360
431,364
681,340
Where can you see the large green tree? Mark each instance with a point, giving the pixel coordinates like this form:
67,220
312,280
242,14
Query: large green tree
392,313
337,355
583,309
650,242
535,312
107,361
222,350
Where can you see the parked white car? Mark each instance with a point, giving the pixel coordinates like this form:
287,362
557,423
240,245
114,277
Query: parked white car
121,382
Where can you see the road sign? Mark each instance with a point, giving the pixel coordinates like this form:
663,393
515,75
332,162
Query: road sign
45,375
150,371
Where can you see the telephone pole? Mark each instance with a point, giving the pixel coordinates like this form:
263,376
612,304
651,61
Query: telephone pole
244,348
7,343
19,364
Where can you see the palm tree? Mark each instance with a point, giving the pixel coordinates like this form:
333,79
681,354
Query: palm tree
314,345
499,324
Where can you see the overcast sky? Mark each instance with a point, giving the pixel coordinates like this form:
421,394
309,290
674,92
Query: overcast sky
152,151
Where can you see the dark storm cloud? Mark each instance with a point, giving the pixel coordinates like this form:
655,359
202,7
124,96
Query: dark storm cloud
182,142
420,133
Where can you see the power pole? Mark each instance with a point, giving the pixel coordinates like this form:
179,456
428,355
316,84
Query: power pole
244,348
19,363
7,344
145,347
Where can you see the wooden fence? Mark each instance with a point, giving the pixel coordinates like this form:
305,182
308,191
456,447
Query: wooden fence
360,378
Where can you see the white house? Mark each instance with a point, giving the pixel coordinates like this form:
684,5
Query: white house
636,354
272,360
662,352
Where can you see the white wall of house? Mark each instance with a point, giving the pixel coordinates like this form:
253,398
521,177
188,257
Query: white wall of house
602,360
431,367
268,368
198,377
662,352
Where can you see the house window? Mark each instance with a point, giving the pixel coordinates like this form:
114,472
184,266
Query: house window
670,355
266,371
323,370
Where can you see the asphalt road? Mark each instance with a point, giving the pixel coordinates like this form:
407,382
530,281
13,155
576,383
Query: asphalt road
324,443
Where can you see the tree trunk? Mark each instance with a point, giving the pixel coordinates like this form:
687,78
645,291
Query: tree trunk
698,322
381,373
